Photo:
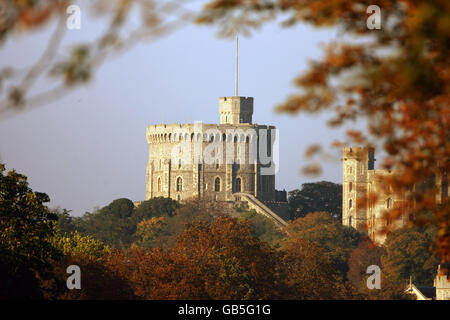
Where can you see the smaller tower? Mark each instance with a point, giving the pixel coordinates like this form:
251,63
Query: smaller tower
235,110
356,163
442,285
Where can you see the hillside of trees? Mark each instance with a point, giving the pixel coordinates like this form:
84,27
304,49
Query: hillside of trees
196,250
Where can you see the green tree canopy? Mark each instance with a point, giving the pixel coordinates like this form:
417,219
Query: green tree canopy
323,196
111,224
26,230
409,254
155,207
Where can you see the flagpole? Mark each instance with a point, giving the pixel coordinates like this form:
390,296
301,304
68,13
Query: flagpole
237,61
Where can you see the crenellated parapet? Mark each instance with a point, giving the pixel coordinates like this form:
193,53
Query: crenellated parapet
196,132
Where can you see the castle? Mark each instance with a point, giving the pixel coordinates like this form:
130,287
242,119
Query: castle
439,291
366,197
232,161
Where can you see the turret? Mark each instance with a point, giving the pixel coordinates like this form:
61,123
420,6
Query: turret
356,162
235,110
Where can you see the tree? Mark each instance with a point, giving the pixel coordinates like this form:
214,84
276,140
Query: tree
18,89
217,260
65,221
310,272
26,230
112,224
263,228
98,280
364,255
149,232
195,210
71,244
397,80
409,254
320,196
155,207
232,262
321,229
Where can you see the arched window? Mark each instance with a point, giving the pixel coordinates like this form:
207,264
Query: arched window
159,184
238,185
350,186
388,203
179,184
350,203
217,185
350,221
178,197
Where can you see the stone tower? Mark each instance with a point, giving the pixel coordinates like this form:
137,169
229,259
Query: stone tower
367,198
356,163
235,110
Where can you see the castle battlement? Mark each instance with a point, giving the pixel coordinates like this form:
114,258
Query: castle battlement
203,132
360,154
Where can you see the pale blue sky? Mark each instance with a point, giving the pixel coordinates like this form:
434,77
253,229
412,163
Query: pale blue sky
89,148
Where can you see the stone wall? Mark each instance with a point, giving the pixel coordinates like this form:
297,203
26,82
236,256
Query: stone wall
207,160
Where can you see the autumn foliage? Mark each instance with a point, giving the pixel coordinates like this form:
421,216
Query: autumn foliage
223,260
